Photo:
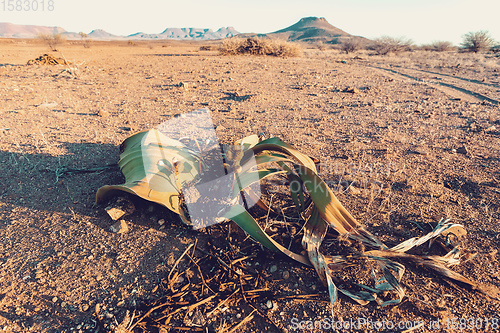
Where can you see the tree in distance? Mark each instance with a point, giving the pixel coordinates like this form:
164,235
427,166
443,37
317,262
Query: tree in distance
52,40
85,39
477,41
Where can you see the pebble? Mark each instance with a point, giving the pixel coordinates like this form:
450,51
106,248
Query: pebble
490,129
351,90
286,275
462,150
269,304
54,299
120,227
353,190
161,222
119,208
103,113
85,307
273,269
421,151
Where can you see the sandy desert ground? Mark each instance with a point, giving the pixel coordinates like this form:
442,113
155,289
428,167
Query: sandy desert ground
417,135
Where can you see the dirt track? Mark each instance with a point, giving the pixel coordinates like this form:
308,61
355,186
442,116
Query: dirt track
416,149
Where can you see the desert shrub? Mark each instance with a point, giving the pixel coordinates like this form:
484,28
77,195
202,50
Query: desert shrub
441,46
52,40
350,45
285,49
86,41
259,46
477,41
385,45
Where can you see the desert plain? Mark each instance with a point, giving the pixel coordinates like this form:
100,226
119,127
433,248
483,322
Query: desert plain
404,140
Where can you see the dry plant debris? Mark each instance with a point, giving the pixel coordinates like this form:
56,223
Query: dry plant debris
193,296
48,59
259,46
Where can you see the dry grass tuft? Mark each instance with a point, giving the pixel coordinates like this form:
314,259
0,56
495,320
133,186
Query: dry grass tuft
260,46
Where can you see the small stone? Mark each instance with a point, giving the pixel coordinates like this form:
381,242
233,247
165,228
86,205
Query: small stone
119,208
109,315
120,227
273,269
351,90
238,315
314,287
63,304
286,275
103,113
186,85
421,151
161,222
441,303
85,307
490,129
54,299
269,304
462,150
353,190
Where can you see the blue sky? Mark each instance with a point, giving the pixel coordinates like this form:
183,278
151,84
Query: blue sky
423,21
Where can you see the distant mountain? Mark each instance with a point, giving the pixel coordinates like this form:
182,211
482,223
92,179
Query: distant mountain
311,30
9,30
188,34
101,34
